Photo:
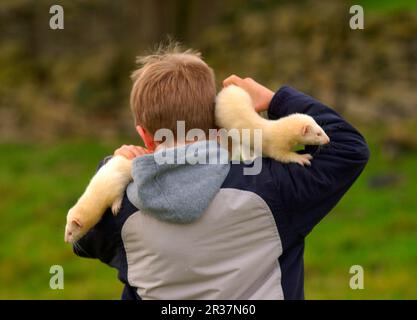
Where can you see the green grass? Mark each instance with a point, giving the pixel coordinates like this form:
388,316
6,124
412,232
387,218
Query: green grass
375,228
386,6
39,184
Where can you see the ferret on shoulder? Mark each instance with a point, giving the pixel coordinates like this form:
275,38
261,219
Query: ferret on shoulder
234,110
106,189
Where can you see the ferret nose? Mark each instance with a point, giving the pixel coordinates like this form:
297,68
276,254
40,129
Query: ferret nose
67,237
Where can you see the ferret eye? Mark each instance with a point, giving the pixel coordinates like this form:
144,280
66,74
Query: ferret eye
319,134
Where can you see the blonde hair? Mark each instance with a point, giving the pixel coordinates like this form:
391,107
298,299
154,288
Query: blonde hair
173,85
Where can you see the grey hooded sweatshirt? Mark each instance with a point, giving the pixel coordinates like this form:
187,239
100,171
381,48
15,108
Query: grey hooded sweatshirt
208,231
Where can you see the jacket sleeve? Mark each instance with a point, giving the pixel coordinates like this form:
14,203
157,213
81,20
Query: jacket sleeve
307,194
101,241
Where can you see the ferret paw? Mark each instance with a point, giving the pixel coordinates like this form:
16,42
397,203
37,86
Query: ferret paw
116,206
303,159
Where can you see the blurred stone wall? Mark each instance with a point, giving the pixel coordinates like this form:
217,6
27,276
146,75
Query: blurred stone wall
370,73
75,82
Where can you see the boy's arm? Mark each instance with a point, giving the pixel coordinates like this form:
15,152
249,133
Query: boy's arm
309,193
100,242
103,240
97,243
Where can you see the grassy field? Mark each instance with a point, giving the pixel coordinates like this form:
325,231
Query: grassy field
386,6
375,228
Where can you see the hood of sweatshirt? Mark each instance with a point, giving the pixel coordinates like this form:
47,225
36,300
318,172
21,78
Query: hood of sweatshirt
177,184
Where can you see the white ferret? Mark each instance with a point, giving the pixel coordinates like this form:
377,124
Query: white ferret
234,110
105,189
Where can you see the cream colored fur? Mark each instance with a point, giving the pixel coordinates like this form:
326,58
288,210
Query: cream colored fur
234,109
105,189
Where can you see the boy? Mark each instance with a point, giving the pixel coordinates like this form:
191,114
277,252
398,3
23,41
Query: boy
208,231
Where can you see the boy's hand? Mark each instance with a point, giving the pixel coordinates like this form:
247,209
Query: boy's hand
261,96
130,152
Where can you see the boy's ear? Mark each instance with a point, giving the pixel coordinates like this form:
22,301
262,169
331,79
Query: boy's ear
147,138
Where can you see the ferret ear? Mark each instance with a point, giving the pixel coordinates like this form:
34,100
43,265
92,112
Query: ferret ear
305,129
76,224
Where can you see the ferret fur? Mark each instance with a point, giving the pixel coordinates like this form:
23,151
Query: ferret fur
106,189
234,109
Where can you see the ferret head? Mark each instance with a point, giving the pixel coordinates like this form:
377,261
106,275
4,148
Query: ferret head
75,227
311,133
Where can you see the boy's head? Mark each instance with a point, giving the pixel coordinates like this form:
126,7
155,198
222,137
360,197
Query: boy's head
172,85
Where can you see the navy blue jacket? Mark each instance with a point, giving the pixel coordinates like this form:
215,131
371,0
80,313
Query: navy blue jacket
298,197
